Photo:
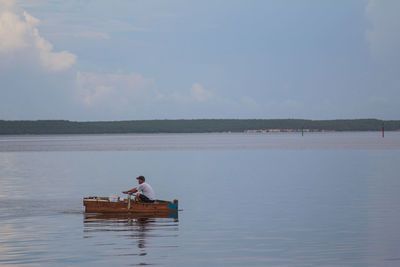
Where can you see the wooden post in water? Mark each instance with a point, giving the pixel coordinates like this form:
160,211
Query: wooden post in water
383,130
302,131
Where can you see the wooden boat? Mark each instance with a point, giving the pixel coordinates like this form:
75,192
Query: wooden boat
107,205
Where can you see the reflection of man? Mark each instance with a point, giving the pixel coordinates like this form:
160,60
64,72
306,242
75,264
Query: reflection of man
146,192
142,224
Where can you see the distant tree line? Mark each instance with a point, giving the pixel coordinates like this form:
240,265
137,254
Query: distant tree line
190,126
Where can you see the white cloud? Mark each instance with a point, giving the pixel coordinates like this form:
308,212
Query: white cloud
383,35
20,36
200,94
64,26
196,94
6,4
114,90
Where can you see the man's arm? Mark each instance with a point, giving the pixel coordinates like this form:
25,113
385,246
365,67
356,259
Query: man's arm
133,190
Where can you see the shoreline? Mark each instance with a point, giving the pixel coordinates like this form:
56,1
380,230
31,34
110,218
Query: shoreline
51,127
195,133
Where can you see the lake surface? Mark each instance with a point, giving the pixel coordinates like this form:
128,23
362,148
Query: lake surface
281,199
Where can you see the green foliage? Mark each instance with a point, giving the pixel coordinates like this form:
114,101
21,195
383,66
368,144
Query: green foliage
190,126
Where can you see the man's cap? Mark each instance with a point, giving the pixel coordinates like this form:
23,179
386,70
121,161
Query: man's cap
141,178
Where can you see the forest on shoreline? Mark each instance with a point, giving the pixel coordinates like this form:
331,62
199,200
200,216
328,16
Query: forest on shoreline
192,126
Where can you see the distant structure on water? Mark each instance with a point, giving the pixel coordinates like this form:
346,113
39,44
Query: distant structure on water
281,130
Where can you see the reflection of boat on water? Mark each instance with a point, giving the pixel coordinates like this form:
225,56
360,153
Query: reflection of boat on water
128,216
107,205
122,230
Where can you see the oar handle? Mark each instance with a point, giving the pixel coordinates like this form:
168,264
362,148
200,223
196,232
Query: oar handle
129,201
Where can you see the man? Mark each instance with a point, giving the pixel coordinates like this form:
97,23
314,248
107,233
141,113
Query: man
147,194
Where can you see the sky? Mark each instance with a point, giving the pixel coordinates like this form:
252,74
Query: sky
182,59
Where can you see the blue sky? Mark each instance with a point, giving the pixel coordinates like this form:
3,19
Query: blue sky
161,59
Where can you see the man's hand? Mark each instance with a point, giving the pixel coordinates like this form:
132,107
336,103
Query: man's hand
130,192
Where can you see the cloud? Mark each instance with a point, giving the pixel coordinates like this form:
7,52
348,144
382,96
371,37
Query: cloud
114,90
200,94
196,94
7,4
383,35
20,39
66,26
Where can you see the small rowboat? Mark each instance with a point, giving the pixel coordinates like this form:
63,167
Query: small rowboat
107,205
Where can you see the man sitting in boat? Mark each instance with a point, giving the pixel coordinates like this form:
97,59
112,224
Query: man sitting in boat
146,192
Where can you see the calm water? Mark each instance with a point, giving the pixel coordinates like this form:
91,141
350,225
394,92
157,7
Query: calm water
330,199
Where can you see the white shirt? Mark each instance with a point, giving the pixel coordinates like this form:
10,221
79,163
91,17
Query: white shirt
146,190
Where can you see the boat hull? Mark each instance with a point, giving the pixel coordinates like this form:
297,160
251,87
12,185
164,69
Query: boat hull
104,205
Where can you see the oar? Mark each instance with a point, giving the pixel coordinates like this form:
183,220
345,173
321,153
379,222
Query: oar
129,201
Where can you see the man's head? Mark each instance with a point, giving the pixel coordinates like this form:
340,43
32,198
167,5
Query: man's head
141,179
